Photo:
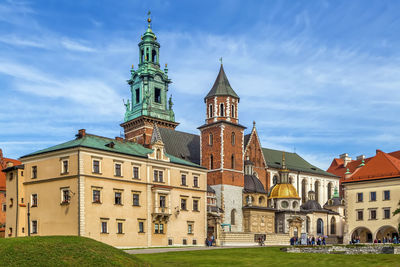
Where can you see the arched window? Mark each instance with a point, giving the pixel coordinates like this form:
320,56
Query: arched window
211,162
308,221
142,55
158,154
233,138
320,227
154,56
232,161
333,226
210,111
233,111
316,185
210,139
303,190
275,179
261,200
221,110
233,215
329,190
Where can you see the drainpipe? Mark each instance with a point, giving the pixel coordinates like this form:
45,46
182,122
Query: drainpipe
79,196
29,221
16,217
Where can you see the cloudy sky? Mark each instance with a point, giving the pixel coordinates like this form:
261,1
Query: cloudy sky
319,77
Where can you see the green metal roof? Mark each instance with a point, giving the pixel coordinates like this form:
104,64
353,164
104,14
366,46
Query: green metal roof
102,143
293,162
221,86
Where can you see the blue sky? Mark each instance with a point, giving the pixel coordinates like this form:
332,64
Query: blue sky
318,77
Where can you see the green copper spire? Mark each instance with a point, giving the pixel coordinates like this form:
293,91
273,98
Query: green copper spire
149,84
335,193
362,163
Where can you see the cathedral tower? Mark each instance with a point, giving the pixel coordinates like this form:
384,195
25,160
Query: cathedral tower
221,143
148,104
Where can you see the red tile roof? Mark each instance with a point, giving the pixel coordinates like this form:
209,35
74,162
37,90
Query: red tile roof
3,165
382,165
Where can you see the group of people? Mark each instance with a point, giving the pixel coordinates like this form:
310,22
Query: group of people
210,241
311,241
385,240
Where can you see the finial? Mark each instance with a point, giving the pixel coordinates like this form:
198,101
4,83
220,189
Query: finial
362,163
254,123
166,65
220,59
283,161
132,66
348,171
149,18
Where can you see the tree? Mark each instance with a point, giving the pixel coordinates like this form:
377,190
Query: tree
397,211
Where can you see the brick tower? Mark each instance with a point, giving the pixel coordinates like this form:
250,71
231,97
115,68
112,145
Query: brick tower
222,149
148,104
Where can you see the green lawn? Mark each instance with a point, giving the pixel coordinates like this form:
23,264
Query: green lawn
62,251
266,256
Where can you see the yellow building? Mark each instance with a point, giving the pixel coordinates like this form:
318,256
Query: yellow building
372,193
115,191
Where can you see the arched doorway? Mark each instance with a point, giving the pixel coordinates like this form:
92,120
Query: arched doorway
363,234
333,226
303,190
308,222
316,185
320,227
387,231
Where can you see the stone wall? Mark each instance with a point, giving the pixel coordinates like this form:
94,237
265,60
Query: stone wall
351,249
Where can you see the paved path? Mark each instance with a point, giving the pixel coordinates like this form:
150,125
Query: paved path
162,250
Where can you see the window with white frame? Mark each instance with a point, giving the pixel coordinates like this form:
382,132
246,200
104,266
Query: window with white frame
195,181
183,179
104,227
195,204
136,199
34,226
34,172
158,176
34,200
96,166
141,226
64,166
65,195
135,172
120,227
118,169
96,195
118,198
190,227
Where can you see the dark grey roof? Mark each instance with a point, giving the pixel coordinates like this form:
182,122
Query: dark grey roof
221,86
253,185
246,139
181,145
312,205
336,201
210,189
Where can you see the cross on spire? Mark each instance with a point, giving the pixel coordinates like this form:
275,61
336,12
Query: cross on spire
220,59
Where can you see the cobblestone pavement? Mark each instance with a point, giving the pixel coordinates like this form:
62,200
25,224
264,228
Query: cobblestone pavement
162,250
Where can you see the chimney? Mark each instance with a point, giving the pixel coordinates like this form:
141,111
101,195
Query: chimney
361,157
81,133
346,159
378,151
119,138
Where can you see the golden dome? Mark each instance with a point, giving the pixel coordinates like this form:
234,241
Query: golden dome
283,191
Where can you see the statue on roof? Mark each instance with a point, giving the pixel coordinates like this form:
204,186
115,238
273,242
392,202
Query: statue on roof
170,103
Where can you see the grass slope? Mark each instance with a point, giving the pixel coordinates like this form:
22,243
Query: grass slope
62,251
266,256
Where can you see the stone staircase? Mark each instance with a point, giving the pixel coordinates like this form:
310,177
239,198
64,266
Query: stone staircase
247,239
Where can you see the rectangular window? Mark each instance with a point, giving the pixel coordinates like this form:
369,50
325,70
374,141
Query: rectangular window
183,179
156,228
195,205
360,215
119,228
157,95
96,166
135,172
196,181
96,196
386,195
118,198
183,204
359,197
136,200
137,98
65,196
34,200
4,207
372,214
162,201
194,242
372,196
65,166
34,227
161,228
34,172
170,242
155,176
118,169
190,228
11,176
386,213
160,176
141,227
104,227
184,241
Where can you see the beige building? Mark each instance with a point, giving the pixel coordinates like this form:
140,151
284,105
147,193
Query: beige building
115,191
372,193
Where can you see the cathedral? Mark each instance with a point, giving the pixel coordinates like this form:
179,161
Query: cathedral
252,190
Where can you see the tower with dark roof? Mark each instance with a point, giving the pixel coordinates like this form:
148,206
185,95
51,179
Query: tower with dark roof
148,103
222,148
